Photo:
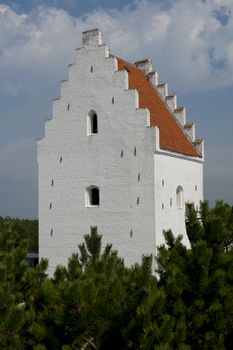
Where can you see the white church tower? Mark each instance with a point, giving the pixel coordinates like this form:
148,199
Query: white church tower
119,155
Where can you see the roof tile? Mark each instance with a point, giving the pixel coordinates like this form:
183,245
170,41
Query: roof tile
172,136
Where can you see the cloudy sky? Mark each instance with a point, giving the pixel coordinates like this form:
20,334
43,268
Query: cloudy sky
189,41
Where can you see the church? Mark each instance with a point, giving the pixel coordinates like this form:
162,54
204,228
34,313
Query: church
119,155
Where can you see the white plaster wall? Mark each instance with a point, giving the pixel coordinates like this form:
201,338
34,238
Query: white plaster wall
96,160
174,171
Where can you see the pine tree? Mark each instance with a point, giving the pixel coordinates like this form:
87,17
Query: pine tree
13,269
198,281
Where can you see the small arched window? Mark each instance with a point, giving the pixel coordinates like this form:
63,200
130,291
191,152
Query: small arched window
92,196
179,197
92,123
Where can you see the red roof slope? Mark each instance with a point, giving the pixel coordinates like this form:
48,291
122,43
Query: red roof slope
172,136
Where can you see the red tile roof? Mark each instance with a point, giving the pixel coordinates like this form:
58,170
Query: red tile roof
172,136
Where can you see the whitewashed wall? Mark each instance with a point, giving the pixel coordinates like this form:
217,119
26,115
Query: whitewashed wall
96,160
172,171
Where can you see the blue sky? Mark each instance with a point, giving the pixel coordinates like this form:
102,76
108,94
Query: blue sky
190,43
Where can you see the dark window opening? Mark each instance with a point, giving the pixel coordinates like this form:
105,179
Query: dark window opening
135,151
122,154
91,69
92,196
94,124
113,100
95,198
68,107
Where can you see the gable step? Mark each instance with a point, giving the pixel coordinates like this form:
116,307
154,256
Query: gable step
153,77
189,128
171,102
163,90
199,144
180,114
145,65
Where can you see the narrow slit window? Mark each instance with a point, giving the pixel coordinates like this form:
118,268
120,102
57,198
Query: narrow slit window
163,182
131,233
113,100
138,201
50,205
135,151
92,123
170,202
139,177
52,183
94,128
68,107
91,69
61,159
122,154
162,206
51,232
179,197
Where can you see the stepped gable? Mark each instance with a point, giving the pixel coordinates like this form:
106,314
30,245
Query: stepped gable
172,136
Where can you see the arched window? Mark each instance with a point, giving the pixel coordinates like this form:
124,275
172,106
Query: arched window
179,197
92,123
92,196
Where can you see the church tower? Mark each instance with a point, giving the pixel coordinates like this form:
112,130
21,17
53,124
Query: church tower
118,155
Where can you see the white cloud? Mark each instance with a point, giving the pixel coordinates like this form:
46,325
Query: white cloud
191,41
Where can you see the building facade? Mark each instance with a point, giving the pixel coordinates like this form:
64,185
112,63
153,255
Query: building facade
117,154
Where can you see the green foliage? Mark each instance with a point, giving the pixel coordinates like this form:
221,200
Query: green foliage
16,288
98,303
26,230
198,281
